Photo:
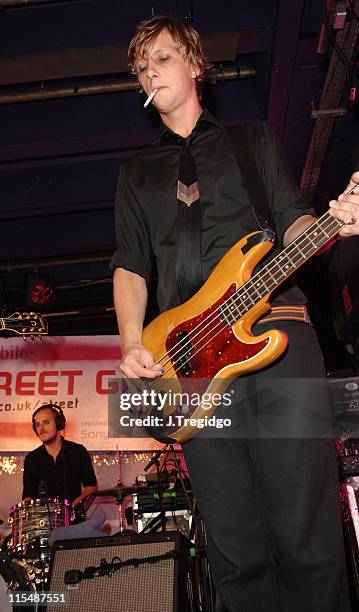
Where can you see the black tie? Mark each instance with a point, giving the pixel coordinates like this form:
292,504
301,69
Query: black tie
188,265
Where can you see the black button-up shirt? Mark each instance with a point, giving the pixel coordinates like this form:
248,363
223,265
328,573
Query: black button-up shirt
146,202
60,478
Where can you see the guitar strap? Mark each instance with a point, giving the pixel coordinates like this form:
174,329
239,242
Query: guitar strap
252,177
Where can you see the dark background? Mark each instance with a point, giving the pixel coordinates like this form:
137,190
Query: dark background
61,146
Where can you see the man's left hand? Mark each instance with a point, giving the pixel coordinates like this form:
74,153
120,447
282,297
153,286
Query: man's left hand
346,208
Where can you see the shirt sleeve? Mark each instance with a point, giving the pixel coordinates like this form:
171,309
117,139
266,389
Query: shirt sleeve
283,194
30,488
133,251
88,477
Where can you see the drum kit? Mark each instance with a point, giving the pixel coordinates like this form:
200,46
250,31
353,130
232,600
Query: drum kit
25,553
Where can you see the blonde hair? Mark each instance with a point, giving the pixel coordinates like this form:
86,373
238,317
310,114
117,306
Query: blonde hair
185,37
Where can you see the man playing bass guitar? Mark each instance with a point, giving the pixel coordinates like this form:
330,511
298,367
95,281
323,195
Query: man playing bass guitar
266,487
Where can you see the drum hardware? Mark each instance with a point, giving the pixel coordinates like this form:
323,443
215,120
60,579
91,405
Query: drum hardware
119,492
36,573
6,544
78,514
14,578
26,552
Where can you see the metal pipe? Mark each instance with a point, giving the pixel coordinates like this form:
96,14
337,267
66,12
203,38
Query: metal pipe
45,263
43,93
25,3
84,312
116,84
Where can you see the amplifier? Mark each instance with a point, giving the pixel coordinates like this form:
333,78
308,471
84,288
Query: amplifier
141,584
348,464
174,498
344,395
150,522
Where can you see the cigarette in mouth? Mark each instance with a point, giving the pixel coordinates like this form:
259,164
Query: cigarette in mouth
150,97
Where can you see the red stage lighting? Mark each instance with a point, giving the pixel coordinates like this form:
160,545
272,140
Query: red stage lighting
40,292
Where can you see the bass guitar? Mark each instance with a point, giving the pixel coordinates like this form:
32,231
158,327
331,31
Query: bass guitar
206,342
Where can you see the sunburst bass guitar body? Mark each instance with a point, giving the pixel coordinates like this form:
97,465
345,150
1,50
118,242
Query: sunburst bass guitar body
205,343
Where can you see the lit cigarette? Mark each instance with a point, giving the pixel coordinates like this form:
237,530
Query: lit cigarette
150,97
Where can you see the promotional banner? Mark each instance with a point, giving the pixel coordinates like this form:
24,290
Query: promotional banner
77,373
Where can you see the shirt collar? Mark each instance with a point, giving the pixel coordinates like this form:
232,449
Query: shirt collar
166,134
44,451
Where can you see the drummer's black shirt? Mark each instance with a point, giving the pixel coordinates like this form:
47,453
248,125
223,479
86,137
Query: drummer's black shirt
60,478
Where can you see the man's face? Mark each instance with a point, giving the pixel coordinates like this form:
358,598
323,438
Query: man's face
165,69
45,425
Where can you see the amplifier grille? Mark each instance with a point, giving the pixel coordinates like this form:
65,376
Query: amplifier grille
150,587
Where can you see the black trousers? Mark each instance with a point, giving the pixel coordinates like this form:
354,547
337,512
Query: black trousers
268,488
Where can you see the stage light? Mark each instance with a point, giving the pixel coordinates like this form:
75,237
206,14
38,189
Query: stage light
40,292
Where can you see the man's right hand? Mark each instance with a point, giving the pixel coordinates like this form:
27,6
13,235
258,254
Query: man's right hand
137,362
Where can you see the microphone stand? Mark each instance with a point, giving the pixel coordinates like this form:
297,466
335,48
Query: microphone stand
156,461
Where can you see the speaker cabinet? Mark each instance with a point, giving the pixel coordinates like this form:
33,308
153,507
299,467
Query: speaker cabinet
154,586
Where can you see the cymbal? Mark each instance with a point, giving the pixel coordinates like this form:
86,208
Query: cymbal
118,491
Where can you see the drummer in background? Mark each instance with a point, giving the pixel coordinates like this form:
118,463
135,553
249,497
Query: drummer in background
57,468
